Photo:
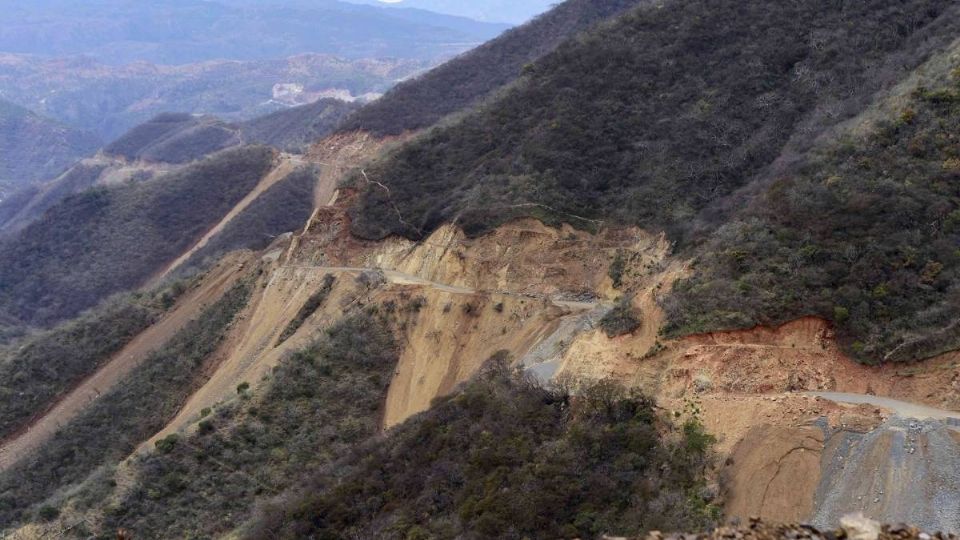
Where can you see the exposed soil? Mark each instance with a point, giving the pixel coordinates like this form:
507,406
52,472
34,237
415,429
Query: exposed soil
113,372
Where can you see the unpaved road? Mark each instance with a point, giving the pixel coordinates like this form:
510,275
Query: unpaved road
286,164
118,367
400,278
900,408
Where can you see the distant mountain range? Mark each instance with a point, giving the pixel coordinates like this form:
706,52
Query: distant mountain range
185,31
109,100
511,11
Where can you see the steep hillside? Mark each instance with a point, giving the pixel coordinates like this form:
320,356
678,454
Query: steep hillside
108,240
174,138
26,205
116,421
505,458
669,275
33,148
45,365
464,81
652,118
294,129
865,234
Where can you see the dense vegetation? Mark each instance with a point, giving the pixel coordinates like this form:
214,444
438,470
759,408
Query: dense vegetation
317,403
34,373
103,241
285,207
865,235
174,138
122,418
294,129
505,458
29,204
654,117
462,82
33,148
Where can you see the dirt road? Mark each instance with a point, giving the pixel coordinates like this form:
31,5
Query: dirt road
400,278
119,366
900,408
286,164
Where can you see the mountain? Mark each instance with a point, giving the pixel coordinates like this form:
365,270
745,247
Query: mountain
184,31
296,128
569,142
517,12
33,148
675,264
105,231
174,138
466,80
110,100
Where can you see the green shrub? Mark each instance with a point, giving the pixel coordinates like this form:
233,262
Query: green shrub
504,458
622,319
617,268
607,126
317,403
40,368
111,427
48,513
167,444
885,269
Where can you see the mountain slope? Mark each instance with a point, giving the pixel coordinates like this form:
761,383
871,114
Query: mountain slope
865,234
465,80
107,240
294,129
174,138
33,148
651,119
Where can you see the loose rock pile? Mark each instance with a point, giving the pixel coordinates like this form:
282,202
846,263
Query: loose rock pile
854,527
